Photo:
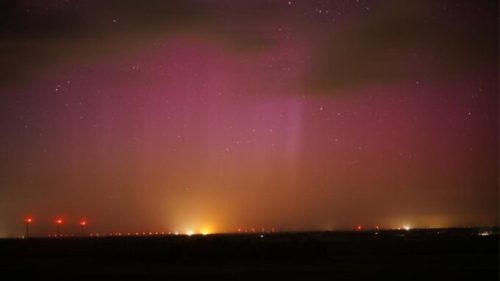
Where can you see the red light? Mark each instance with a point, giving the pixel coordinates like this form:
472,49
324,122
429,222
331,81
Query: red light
359,227
83,223
28,220
59,221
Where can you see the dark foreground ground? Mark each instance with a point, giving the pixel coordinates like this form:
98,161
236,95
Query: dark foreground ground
452,254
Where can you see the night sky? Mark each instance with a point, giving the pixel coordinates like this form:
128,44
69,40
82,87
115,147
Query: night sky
218,115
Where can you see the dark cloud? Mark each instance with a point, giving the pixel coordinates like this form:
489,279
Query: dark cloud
37,35
407,41
392,41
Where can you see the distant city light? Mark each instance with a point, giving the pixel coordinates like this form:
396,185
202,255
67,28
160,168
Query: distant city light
407,227
205,232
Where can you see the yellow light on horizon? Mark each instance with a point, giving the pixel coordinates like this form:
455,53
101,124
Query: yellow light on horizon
206,230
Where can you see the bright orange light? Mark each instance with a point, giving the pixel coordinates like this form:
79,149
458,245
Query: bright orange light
83,223
359,227
206,231
28,220
59,221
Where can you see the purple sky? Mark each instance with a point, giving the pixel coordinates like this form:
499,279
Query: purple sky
219,115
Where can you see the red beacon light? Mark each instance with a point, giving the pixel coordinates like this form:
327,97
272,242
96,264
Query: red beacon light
58,227
83,224
27,221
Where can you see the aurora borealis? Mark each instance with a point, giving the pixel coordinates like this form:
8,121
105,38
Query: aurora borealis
294,115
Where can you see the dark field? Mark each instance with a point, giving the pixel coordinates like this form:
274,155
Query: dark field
453,254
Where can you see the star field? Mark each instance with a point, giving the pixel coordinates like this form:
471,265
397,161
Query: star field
295,115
